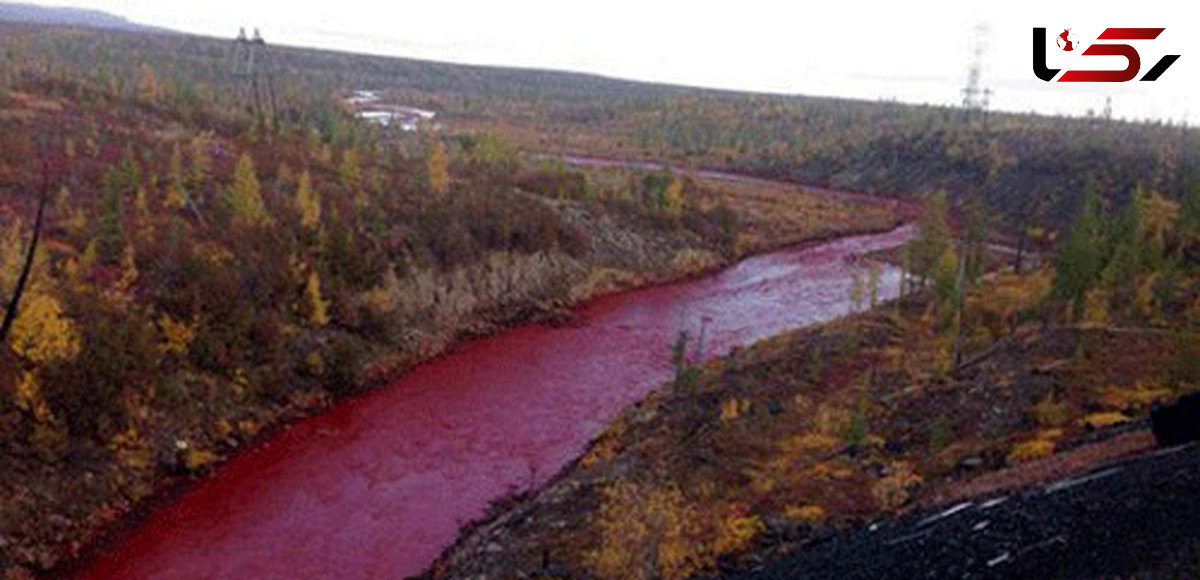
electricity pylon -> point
(976, 97)
(254, 83)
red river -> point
(379, 485)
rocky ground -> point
(1138, 517)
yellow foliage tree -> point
(325, 154)
(148, 88)
(42, 332)
(176, 190)
(318, 307)
(29, 398)
(673, 198)
(1095, 308)
(245, 197)
(177, 336)
(141, 202)
(350, 171)
(492, 150)
(656, 531)
(201, 158)
(73, 217)
(309, 203)
(129, 269)
(438, 167)
(1158, 212)
(48, 437)
(646, 532)
(12, 253)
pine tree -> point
(975, 240)
(928, 250)
(945, 276)
(1189, 216)
(1124, 248)
(1079, 260)
(245, 197)
(110, 226)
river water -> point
(379, 485)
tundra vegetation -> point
(819, 429)
(203, 274)
(178, 276)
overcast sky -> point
(907, 51)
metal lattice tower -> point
(976, 97)
(254, 83)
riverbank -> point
(396, 470)
(816, 431)
(190, 304)
(119, 523)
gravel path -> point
(1137, 517)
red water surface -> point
(377, 486)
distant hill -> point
(66, 16)
(1023, 166)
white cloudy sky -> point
(909, 51)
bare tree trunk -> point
(10, 315)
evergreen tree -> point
(1079, 260)
(928, 250)
(1125, 248)
(110, 225)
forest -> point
(192, 273)
(1026, 167)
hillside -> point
(1027, 168)
(201, 280)
(792, 455)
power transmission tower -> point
(254, 83)
(976, 97)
